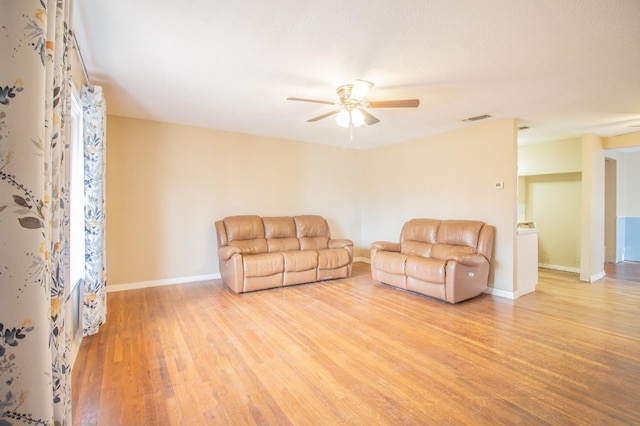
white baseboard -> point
(596, 277)
(500, 293)
(158, 283)
(559, 268)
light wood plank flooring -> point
(356, 352)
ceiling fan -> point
(350, 108)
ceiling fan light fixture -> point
(343, 119)
(357, 117)
(346, 118)
(350, 110)
(360, 89)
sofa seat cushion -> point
(447, 251)
(390, 262)
(426, 269)
(333, 258)
(298, 261)
(263, 265)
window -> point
(76, 214)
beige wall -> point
(166, 184)
(553, 201)
(631, 185)
(622, 141)
(448, 176)
(550, 189)
(562, 156)
(592, 218)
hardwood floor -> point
(356, 352)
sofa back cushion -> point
(422, 230)
(418, 236)
(459, 232)
(243, 227)
(456, 237)
(312, 232)
(246, 233)
(280, 233)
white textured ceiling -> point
(563, 68)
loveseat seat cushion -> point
(390, 262)
(416, 248)
(426, 269)
(389, 266)
(450, 251)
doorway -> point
(610, 211)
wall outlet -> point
(498, 185)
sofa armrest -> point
(386, 246)
(469, 259)
(338, 243)
(225, 253)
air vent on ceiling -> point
(477, 117)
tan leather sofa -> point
(447, 259)
(257, 253)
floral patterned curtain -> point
(94, 310)
(34, 176)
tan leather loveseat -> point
(447, 259)
(257, 253)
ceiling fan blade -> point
(368, 118)
(325, 115)
(316, 101)
(360, 89)
(405, 103)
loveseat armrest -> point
(225, 253)
(340, 243)
(386, 246)
(469, 259)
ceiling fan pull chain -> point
(350, 131)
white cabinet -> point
(527, 261)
